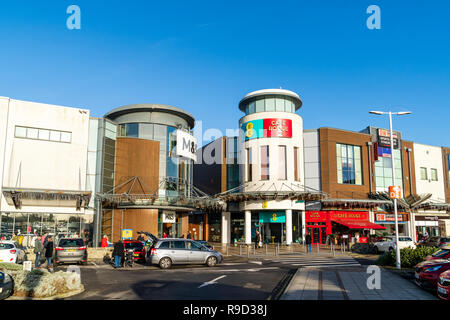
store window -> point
(282, 163)
(349, 164)
(265, 163)
(383, 170)
(434, 176)
(423, 173)
(237, 227)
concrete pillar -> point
(412, 226)
(248, 227)
(289, 226)
(303, 226)
(226, 227)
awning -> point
(356, 224)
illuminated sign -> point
(272, 217)
(267, 128)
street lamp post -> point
(391, 133)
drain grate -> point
(282, 285)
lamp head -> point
(403, 113)
(376, 112)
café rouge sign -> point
(267, 128)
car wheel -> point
(165, 263)
(211, 262)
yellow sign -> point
(274, 217)
(127, 234)
(264, 204)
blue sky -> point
(204, 56)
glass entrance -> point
(318, 234)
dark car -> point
(428, 271)
(443, 253)
(71, 250)
(6, 285)
(443, 289)
(139, 251)
(438, 242)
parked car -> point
(206, 244)
(436, 242)
(428, 272)
(443, 288)
(6, 285)
(388, 244)
(168, 251)
(12, 252)
(443, 253)
(138, 248)
(70, 250)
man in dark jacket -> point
(308, 242)
(38, 247)
(118, 253)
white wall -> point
(44, 164)
(429, 157)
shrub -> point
(10, 266)
(408, 257)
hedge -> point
(408, 257)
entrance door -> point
(318, 234)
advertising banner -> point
(168, 216)
(186, 145)
(267, 128)
(272, 217)
(384, 139)
(127, 234)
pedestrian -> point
(258, 239)
(189, 235)
(118, 253)
(140, 237)
(104, 241)
(37, 251)
(14, 237)
(308, 242)
(182, 236)
(49, 251)
(164, 235)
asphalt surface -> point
(236, 280)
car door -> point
(178, 252)
(195, 252)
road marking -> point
(95, 264)
(333, 265)
(256, 262)
(211, 282)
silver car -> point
(166, 252)
(70, 250)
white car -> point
(388, 243)
(11, 252)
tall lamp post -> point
(390, 113)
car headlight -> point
(2, 276)
(432, 269)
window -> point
(270, 104)
(164, 245)
(32, 133)
(251, 107)
(423, 174)
(265, 163)
(282, 163)
(434, 176)
(65, 136)
(296, 175)
(249, 164)
(194, 246)
(280, 105)
(178, 244)
(55, 136)
(259, 105)
(348, 164)
(383, 169)
(43, 134)
(21, 132)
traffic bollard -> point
(226, 248)
(278, 249)
(248, 251)
(317, 247)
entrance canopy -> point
(358, 224)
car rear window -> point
(405, 239)
(134, 245)
(440, 253)
(71, 243)
(4, 246)
(445, 239)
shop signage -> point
(395, 192)
(127, 234)
(272, 217)
(169, 216)
(267, 128)
(389, 217)
(335, 215)
(426, 218)
(186, 145)
(384, 139)
(264, 204)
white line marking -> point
(95, 264)
(334, 265)
(211, 282)
(256, 262)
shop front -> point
(343, 224)
(387, 220)
(426, 226)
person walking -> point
(308, 242)
(164, 235)
(104, 241)
(118, 253)
(37, 251)
(49, 251)
(189, 235)
(257, 239)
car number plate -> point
(72, 250)
(1, 260)
(417, 276)
(136, 254)
(442, 290)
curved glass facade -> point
(170, 166)
(270, 104)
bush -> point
(408, 257)
(10, 266)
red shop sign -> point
(349, 215)
(277, 128)
(316, 216)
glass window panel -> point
(66, 136)
(387, 182)
(55, 135)
(146, 131)
(357, 151)
(344, 151)
(21, 132)
(251, 107)
(246, 109)
(265, 163)
(423, 174)
(44, 134)
(132, 130)
(379, 181)
(32, 133)
(110, 126)
(340, 175)
(434, 175)
(338, 150)
(259, 105)
(280, 105)
(289, 106)
(350, 152)
(282, 163)
(270, 104)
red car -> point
(427, 272)
(138, 248)
(443, 290)
(440, 254)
